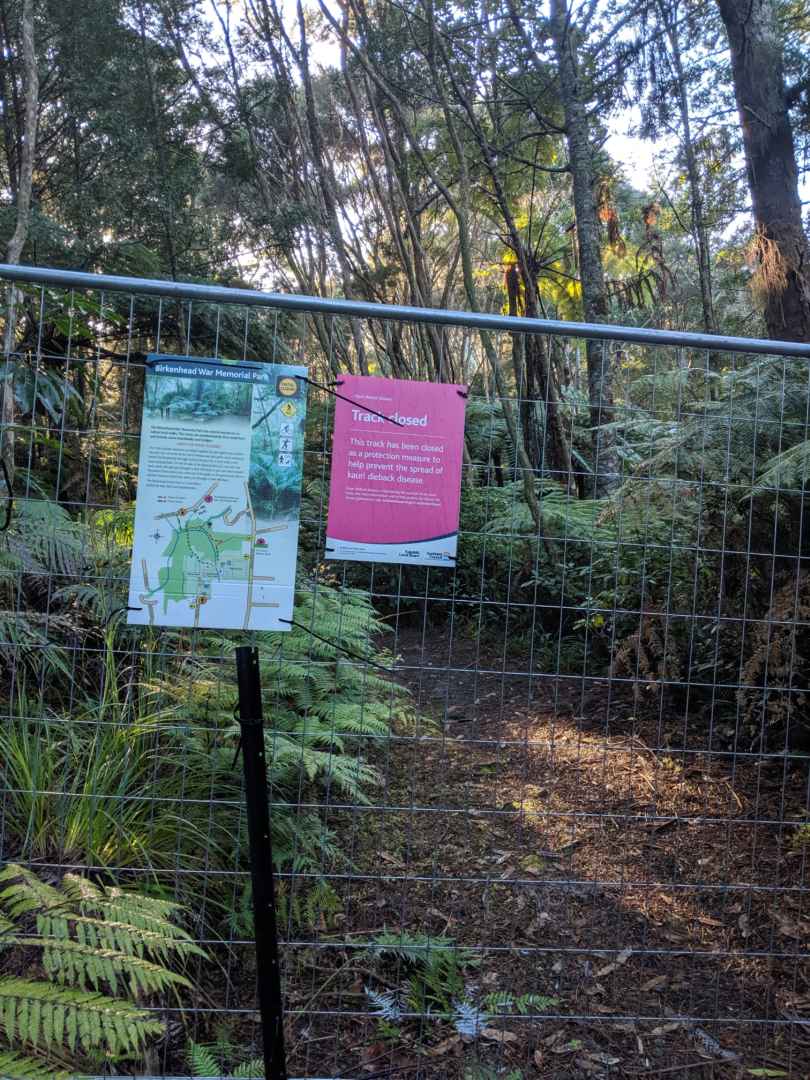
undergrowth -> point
(93, 958)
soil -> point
(582, 846)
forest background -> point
(473, 156)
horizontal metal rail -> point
(476, 320)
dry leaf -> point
(444, 1046)
(372, 1052)
(596, 1062)
(569, 1047)
(622, 958)
(538, 1058)
(392, 859)
(706, 920)
(664, 1028)
(789, 928)
(439, 915)
(656, 983)
(496, 1035)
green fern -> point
(209, 1061)
(503, 1002)
(435, 969)
(786, 473)
(201, 1061)
(15, 1067)
(95, 944)
(249, 1069)
(414, 948)
(43, 1016)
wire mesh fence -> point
(541, 814)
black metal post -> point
(251, 721)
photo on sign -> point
(197, 399)
(275, 487)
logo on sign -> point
(286, 386)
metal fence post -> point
(251, 721)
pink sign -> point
(396, 471)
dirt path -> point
(656, 897)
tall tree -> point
(23, 187)
(781, 244)
(670, 14)
(566, 33)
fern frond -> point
(86, 958)
(40, 1014)
(250, 1069)
(534, 1003)
(75, 963)
(202, 1061)
(787, 473)
(468, 1018)
(108, 919)
(14, 1066)
(415, 948)
(388, 1005)
(26, 892)
(499, 1001)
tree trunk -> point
(770, 156)
(700, 231)
(20, 235)
(594, 292)
(166, 196)
(533, 377)
(327, 185)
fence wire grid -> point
(541, 814)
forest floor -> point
(585, 856)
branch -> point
(793, 93)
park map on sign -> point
(216, 521)
(204, 547)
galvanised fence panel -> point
(542, 814)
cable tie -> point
(357, 405)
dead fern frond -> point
(776, 670)
(768, 264)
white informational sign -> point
(219, 487)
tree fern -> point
(102, 952)
(787, 472)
